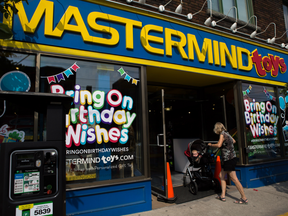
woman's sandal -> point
(241, 201)
(221, 198)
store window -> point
(261, 118)
(17, 74)
(103, 127)
(283, 104)
(244, 8)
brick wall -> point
(270, 11)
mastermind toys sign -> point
(101, 30)
(88, 120)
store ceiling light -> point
(162, 7)
(179, 8)
(253, 34)
(247, 23)
(233, 26)
(208, 20)
(272, 40)
(281, 36)
(129, 1)
(190, 16)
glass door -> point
(213, 110)
(157, 142)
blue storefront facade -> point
(100, 53)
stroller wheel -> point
(193, 187)
(216, 185)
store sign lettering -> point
(84, 118)
(213, 52)
(268, 63)
(261, 117)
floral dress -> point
(227, 147)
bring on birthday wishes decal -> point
(87, 120)
(91, 112)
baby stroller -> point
(199, 171)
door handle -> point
(158, 144)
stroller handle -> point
(215, 151)
(206, 142)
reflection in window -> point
(244, 8)
(227, 4)
(283, 100)
(103, 128)
(23, 68)
(17, 73)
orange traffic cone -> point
(170, 192)
(171, 197)
(217, 169)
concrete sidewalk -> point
(265, 201)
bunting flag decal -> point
(51, 79)
(121, 71)
(268, 95)
(68, 72)
(247, 91)
(75, 67)
(60, 76)
(134, 81)
(127, 76)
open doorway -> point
(190, 112)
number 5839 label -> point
(35, 209)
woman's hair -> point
(219, 127)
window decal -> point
(15, 81)
(60, 76)
(11, 136)
(127, 77)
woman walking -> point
(225, 143)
